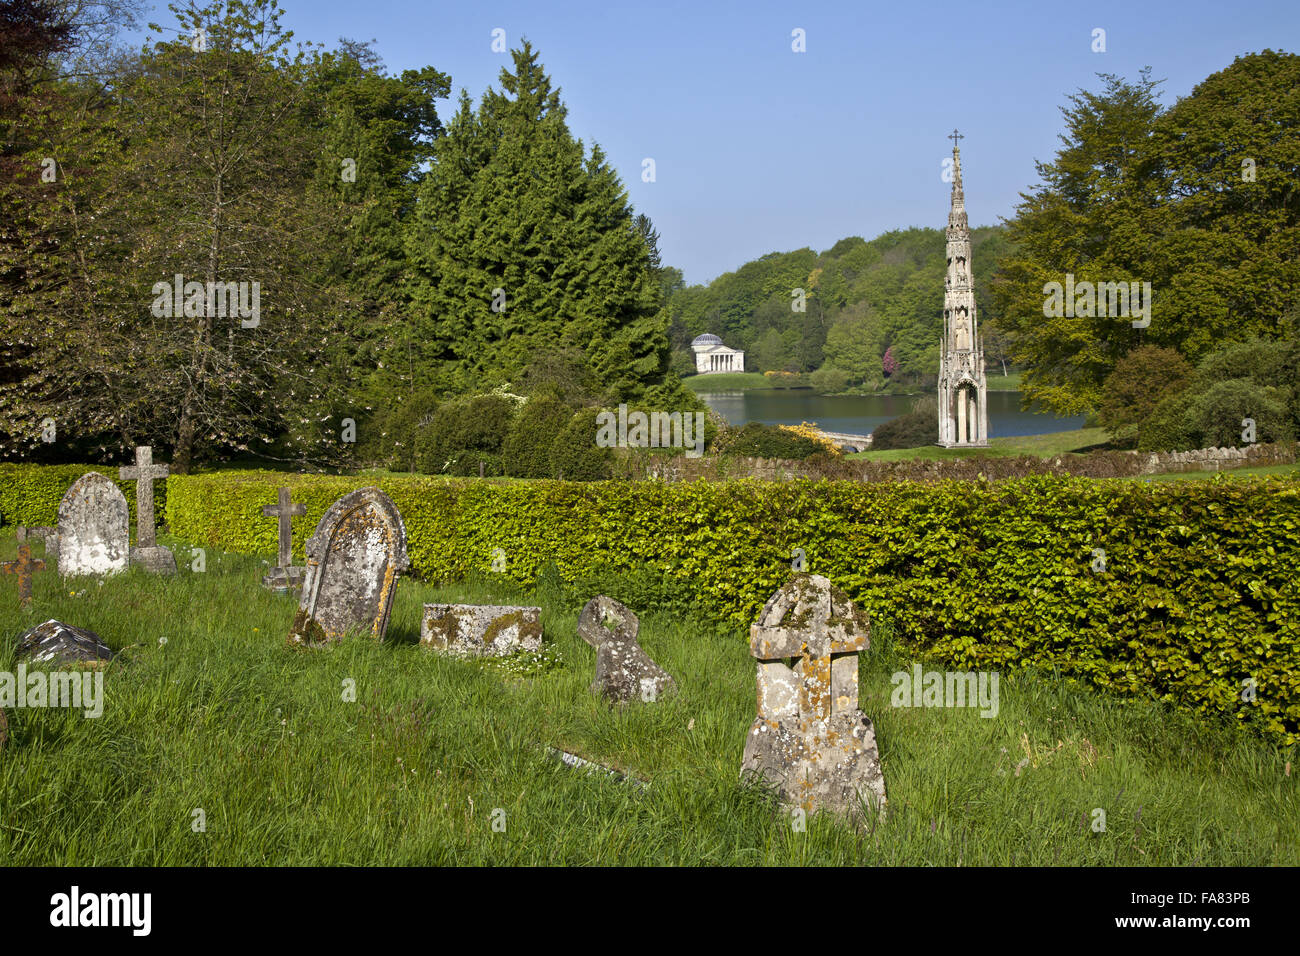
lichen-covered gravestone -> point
(24, 567)
(94, 535)
(147, 553)
(481, 630)
(624, 672)
(810, 739)
(353, 560)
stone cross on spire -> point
(146, 552)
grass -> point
(730, 382)
(224, 717)
(1004, 383)
(1228, 473)
(1042, 446)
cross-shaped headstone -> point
(144, 471)
(285, 511)
(827, 648)
(954, 136)
(24, 567)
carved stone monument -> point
(94, 535)
(284, 576)
(810, 739)
(353, 561)
(481, 630)
(624, 672)
(147, 553)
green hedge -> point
(1201, 588)
(30, 494)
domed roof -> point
(708, 338)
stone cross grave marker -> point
(284, 576)
(146, 553)
(353, 560)
(809, 738)
(24, 566)
(94, 527)
(624, 672)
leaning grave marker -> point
(353, 561)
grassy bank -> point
(730, 382)
(223, 717)
(1042, 446)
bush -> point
(389, 438)
(1139, 382)
(574, 452)
(756, 440)
(1202, 589)
(828, 380)
(1165, 429)
(463, 433)
(1214, 417)
(30, 494)
(527, 449)
(917, 428)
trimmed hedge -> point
(1200, 592)
(30, 494)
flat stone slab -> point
(624, 672)
(284, 579)
(61, 644)
(481, 630)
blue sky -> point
(760, 149)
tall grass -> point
(225, 718)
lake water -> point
(859, 414)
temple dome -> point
(708, 338)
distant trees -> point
(1198, 199)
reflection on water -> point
(859, 414)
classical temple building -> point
(963, 389)
(712, 356)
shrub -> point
(30, 494)
(389, 438)
(756, 440)
(1165, 429)
(574, 452)
(1139, 382)
(917, 428)
(526, 451)
(829, 380)
(464, 432)
(1214, 417)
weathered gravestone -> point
(284, 576)
(24, 566)
(61, 644)
(47, 534)
(146, 553)
(810, 739)
(353, 560)
(481, 630)
(624, 671)
(94, 537)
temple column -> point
(961, 417)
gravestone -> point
(353, 560)
(481, 630)
(47, 534)
(24, 567)
(810, 739)
(146, 553)
(284, 576)
(94, 535)
(60, 644)
(624, 672)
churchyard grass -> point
(225, 718)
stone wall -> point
(1104, 464)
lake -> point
(859, 414)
